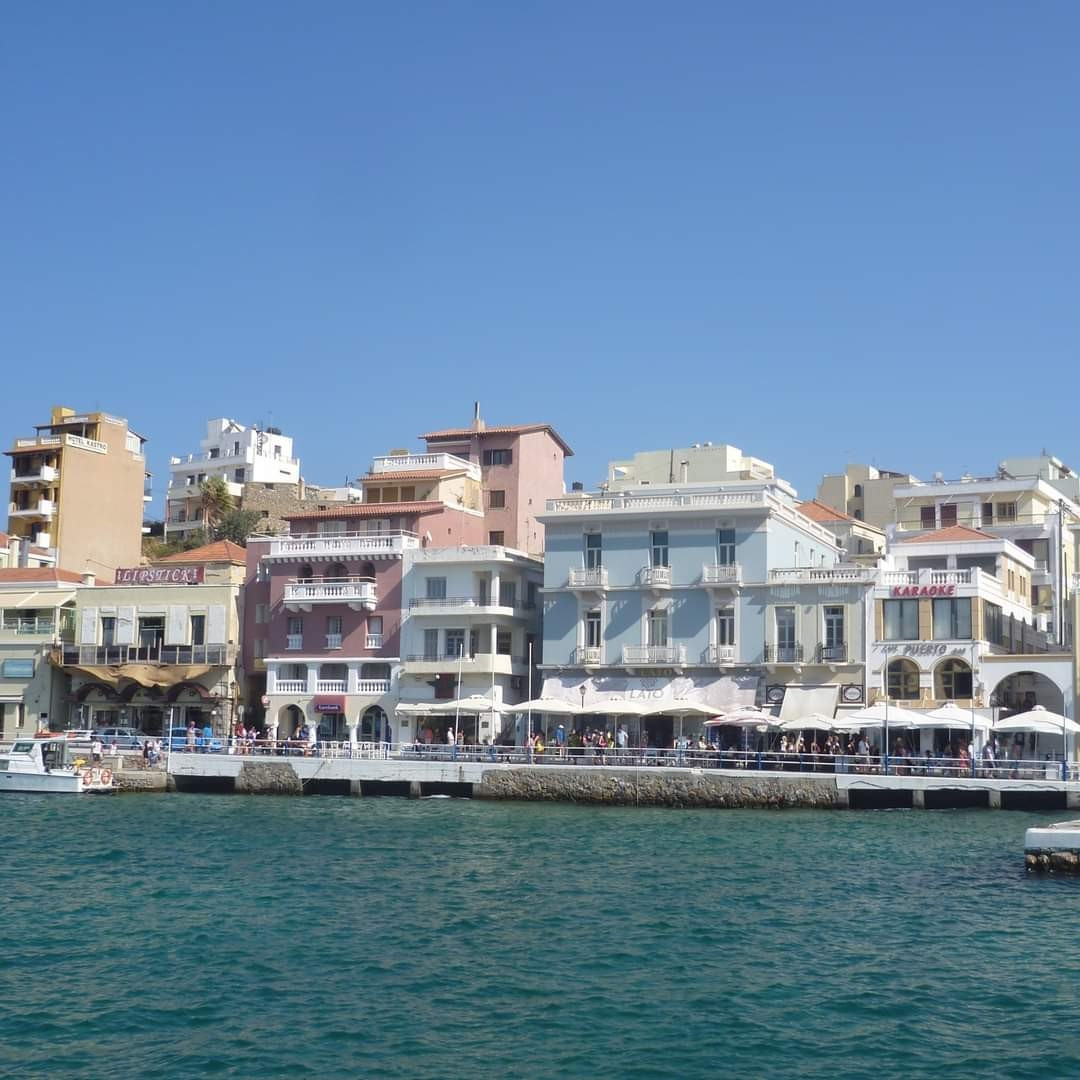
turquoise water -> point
(185, 935)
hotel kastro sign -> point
(159, 575)
(923, 590)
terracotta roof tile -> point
(499, 429)
(366, 510)
(416, 474)
(951, 534)
(819, 511)
(219, 551)
(42, 574)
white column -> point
(312, 677)
(494, 589)
(271, 678)
(353, 684)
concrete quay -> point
(608, 784)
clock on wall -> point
(774, 695)
(851, 694)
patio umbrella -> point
(475, 703)
(552, 706)
(415, 708)
(950, 715)
(615, 707)
(811, 721)
(1043, 722)
(749, 716)
(688, 708)
(878, 716)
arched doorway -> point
(374, 726)
(336, 572)
(290, 720)
(1023, 690)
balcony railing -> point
(373, 641)
(587, 655)
(721, 574)
(294, 641)
(443, 602)
(439, 658)
(290, 686)
(929, 577)
(825, 575)
(654, 654)
(352, 591)
(341, 545)
(44, 474)
(392, 463)
(655, 576)
(719, 654)
(78, 655)
(333, 641)
(588, 577)
(832, 654)
(29, 627)
(373, 686)
(43, 508)
(783, 654)
(331, 686)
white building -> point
(239, 455)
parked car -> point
(123, 738)
(178, 740)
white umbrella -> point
(877, 716)
(615, 707)
(415, 708)
(689, 708)
(1041, 721)
(475, 703)
(810, 722)
(950, 715)
(552, 706)
(750, 716)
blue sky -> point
(822, 232)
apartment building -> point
(78, 488)
(864, 492)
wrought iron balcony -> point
(783, 654)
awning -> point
(674, 694)
(329, 703)
(805, 700)
(143, 674)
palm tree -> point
(216, 501)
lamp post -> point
(973, 649)
(885, 729)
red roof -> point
(220, 551)
(38, 574)
(819, 511)
(457, 434)
(366, 510)
(951, 534)
(415, 474)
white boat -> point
(51, 763)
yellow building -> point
(77, 491)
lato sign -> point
(159, 575)
(923, 590)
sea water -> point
(182, 936)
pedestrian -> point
(95, 751)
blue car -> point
(178, 740)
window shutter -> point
(125, 625)
(176, 625)
(215, 625)
(88, 626)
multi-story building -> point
(77, 489)
(16, 552)
(699, 596)
(158, 647)
(521, 467)
(240, 456)
(861, 542)
(953, 621)
(471, 628)
(37, 612)
(864, 492)
(700, 463)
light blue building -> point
(699, 596)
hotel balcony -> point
(472, 605)
(587, 656)
(655, 577)
(588, 577)
(340, 545)
(661, 655)
(823, 575)
(721, 574)
(111, 655)
(289, 686)
(783, 654)
(43, 474)
(719, 654)
(329, 686)
(357, 593)
(43, 508)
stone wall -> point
(677, 788)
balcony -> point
(294, 641)
(333, 641)
(721, 574)
(373, 641)
(43, 474)
(331, 686)
(373, 686)
(115, 655)
(832, 654)
(719, 654)
(446, 603)
(290, 686)
(783, 654)
(397, 463)
(28, 626)
(665, 655)
(928, 578)
(341, 545)
(356, 592)
(43, 508)
(823, 575)
(655, 577)
(587, 656)
(588, 577)
(441, 659)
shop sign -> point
(159, 575)
(18, 669)
(923, 590)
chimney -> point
(89, 578)
(685, 467)
(477, 423)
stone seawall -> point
(677, 789)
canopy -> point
(811, 721)
(554, 706)
(415, 708)
(878, 715)
(688, 708)
(475, 704)
(809, 700)
(750, 716)
(1041, 721)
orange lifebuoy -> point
(106, 776)
(86, 778)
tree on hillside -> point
(237, 525)
(216, 501)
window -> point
(198, 629)
(277, 450)
(952, 680)
(474, 641)
(333, 631)
(785, 629)
(725, 626)
(725, 547)
(901, 620)
(108, 630)
(952, 618)
(658, 544)
(236, 449)
(993, 624)
(151, 632)
(658, 627)
(259, 648)
(496, 499)
(431, 644)
(903, 680)
(507, 594)
(496, 537)
(408, 494)
(594, 551)
(294, 629)
(238, 476)
(927, 517)
(503, 642)
(435, 588)
(834, 628)
(948, 514)
(214, 452)
(373, 638)
(1006, 511)
(497, 457)
(455, 642)
(987, 513)
(264, 513)
(593, 631)
(858, 491)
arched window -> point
(903, 680)
(336, 572)
(367, 571)
(304, 572)
(373, 725)
(858, 491)
(952, 680)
